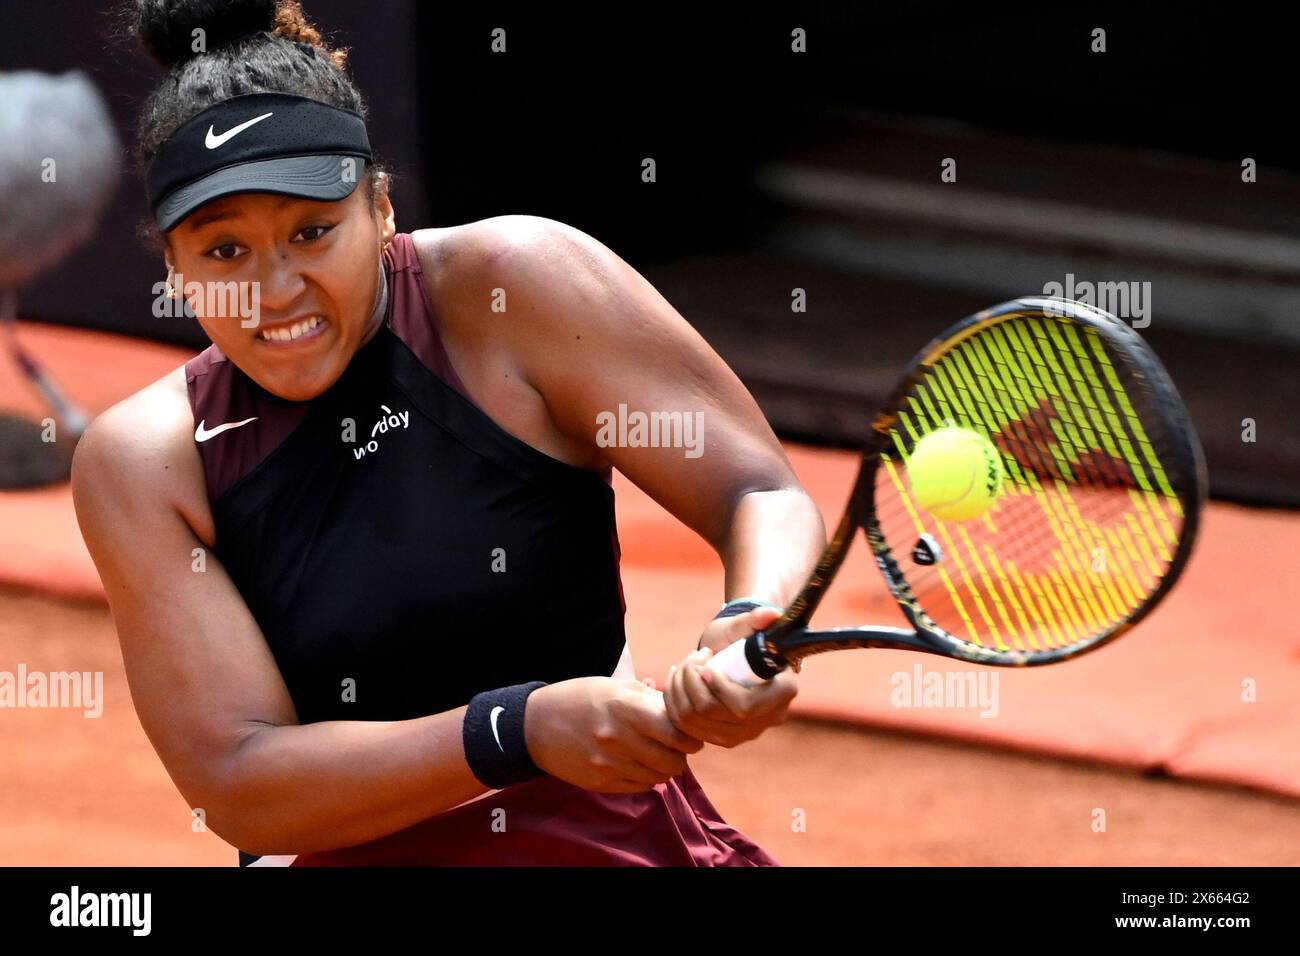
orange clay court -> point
(1182, 736)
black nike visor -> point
(261, 143)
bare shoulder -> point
(500, 289)
(486, 240)
(490, 272)
(502, 248)
(140, 452)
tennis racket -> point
(1102, 484)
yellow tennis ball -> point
(955, 473)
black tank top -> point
(432, 557)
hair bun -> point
(167, 27)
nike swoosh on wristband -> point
(496, 712)
(212, 140)
(203, 434)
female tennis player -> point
(361, 551)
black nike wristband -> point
(493, 736)
(738, 606)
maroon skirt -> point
(547, 822)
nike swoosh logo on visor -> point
(203, 434)
(212, 140)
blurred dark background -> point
(821, 171)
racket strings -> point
(1089, 514)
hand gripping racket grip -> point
(743, 662)
(733, 662)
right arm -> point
(214, 705)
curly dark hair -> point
(216, 49)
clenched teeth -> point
(297, 330)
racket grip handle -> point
(731, 662)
